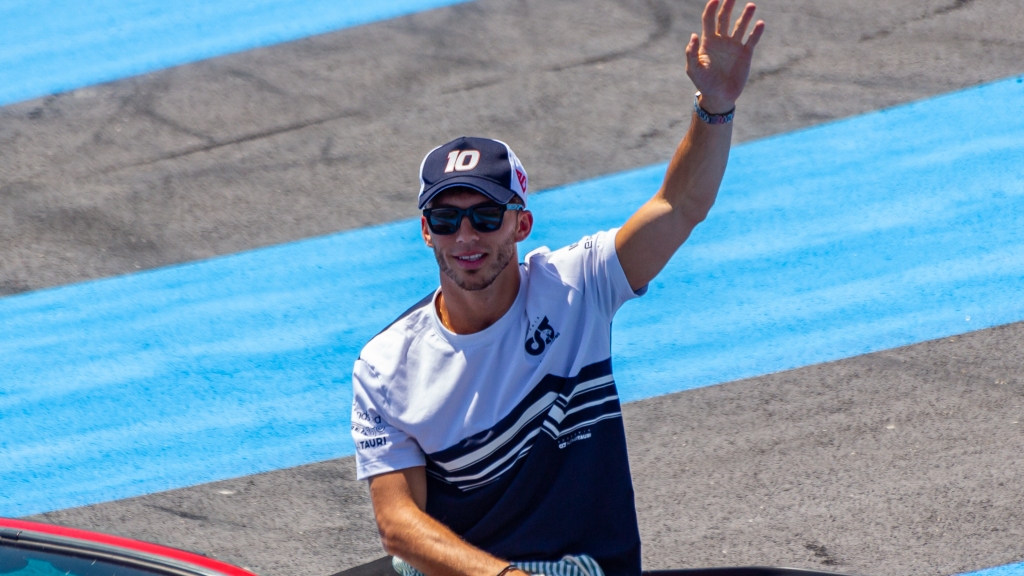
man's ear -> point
(524, 225)
(426, 231)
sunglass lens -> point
(487, 218)
(443, 221)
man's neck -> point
(467, 312)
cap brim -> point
(485, 186)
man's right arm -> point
(399, 500)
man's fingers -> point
(755, 35)
(743, 22)
(724, 16)
(692, 46)
(708, 19)
(692, 53)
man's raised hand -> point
(718, 62)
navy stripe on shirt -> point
(557, 406)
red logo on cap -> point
(522, 180)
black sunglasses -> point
(446, 220)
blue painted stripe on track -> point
(50, 46)
(861, 235)
(1008, 570)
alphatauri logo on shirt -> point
(541, 337)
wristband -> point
(709, 118)
(506, 569)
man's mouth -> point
(470, 261)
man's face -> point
(471, 259)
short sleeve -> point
(380, 446)
(594, 262)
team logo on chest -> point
(538, 338)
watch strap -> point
(709, 118)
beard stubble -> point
(484, 277)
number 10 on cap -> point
(462, 160)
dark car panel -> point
(383, 567)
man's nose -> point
(466, 231)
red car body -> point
(47, 538)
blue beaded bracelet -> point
(709, 118)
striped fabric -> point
(581, 565)
(562, 408)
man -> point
(485, 417)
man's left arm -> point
(718, 63)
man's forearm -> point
(408, 532)
(432, 548)
(695, 173)
(653, 234)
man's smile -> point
(470, 260)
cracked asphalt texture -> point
(906, 461)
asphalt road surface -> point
(899, 462)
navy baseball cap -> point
(485, 165)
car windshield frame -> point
(110, 553)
